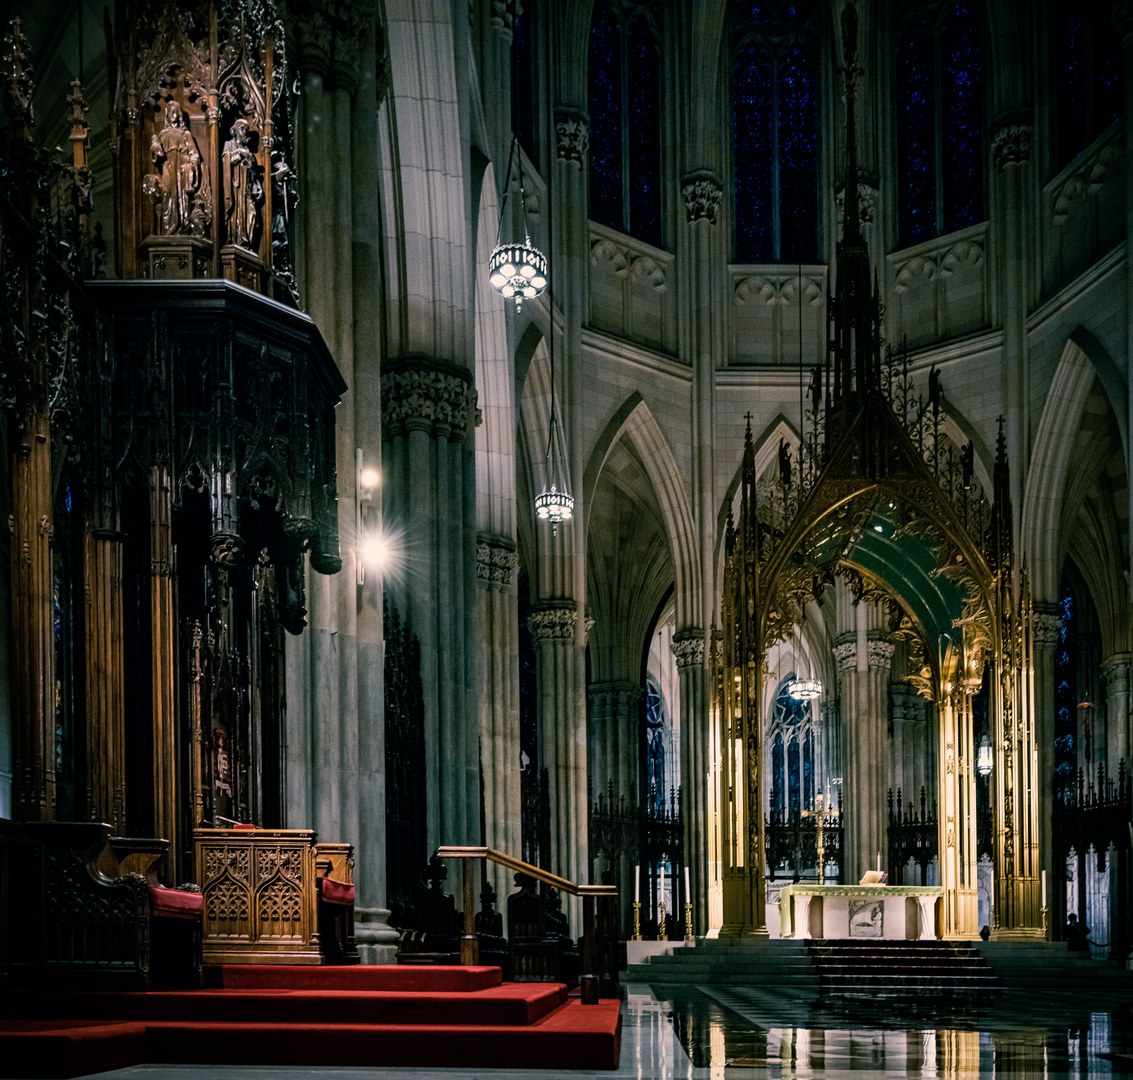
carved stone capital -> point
(329, 39)
(572, 137)
(1115, 671)
(702, 195)
(440, 402)
(553, 622)
(496, 560)
(1123, 19)
(867, 203)
(503, 17)
(688, 648)
(880, 654)
(846, 656)
(1046, 627)
(1011, 145)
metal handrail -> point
(520, 867)
(470, 945)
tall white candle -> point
(1044, 888)
(637, 884)
(661, 887)
(688, 888)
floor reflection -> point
(730, 1031)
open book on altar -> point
(874, 877)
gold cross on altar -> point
(820, 813)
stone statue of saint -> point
(175, 153)
(242, 189)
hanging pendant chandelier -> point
(517, 271)
(804, 689)
(554, 506)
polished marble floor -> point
(736, 1033)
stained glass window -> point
(808, 770)
(625, 119)
(793, 777)
(523, 76)
(774, 131)
(791, 738)
(939, 97)
(777, 779)
(1088, 67)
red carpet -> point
(277, 1015)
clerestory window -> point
(625, 118)
(774, 80)
(939, 96)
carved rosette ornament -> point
(553, 622)
(441, 402)
(846, 656)
(880, 655)
(573, 140)
(1011, 145)
(702, 196)
(496, 560)
(688, 649)
(1046, 626)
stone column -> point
(614, 738)
(554, 626)
(1046, 626)
(498, 631)
(1123, 23)
(1115, 671)
(1011, 150)
(696, 766)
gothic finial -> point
(21, 87)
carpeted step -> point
(402, 978)
(574, 1036)
(511, 1005)
(60, 1048)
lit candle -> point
(1044, 888)
(688, 888)
(637, 884)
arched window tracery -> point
(792, 738)
(939, 100)
(624, 71)
(774, 84)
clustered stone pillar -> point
(556, 632)
(496, 563)
(1046, 628)
(1115, 671)
(696, 767)
(614, 737)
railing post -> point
(589, 980)
(469, 946)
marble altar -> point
(905, 912)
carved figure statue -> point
(242, 189)
(175, 153)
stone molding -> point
(846, 655)
(553, 622)
(1011, 145)
(496, 560)
(702, 196)
(573, 137)
(1046, 627)
(427, 399)
(1123, 19)
(880, 654)
(688, 648)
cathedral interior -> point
(683, 447)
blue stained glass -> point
(523, 88)
(808, 770)
(1071, 63)
(916, 134)
(1066, 698)
(777, 779)
(748, 11)
(752, 154)
(793, 778)
(644, 84)
(605, 104)
(1109, 66)
(961, 84)
(798, 156)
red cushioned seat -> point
(336, 892)
(176, 903)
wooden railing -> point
(592, 949)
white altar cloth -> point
(901, 912)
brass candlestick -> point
(1044, 912)
(636, 921)
(688, 921)
(661, 932)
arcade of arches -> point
(837, 353)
